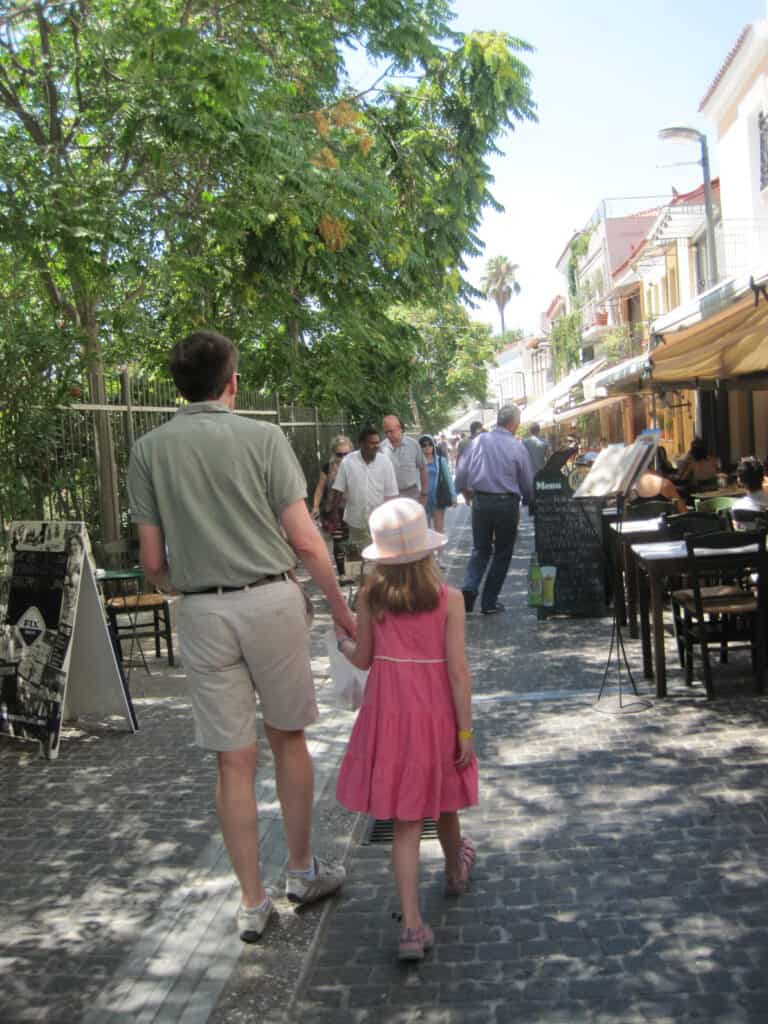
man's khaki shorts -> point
(241, 645)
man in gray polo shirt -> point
(407, 459)
(220, 505)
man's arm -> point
(152, 557)
(309, 546)
(424, 474)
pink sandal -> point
(415, 942)
(467, 856)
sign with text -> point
(56, 654)
(569, 549)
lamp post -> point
(683, 133)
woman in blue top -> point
(438, 499)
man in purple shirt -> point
(497, 470)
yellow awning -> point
(729, 343)
(586, 407)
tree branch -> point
(12, 102)
(51, 95)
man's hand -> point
(345, 624)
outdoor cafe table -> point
(627, 533)
(656, 562)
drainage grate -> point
(381, 830)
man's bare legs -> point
(238, 816)
(295, 779)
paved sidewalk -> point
(623, 859)
(622, 874)
(117, 896)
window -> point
(762, 131)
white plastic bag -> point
(348, 681)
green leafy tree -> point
(169, 163)
(500, 283)
(566, 342)
(450, 361)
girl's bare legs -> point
(449, 834)
(405, 864)
(438, 519)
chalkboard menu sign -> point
(56, 654)
(569, 548)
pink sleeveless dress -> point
(400, 758)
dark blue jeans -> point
(494, 531)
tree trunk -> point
(109, 500)
(414, 408)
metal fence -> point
(65, 483)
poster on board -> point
(57, 658)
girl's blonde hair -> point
(411, 587)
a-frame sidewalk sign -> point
(57, 656)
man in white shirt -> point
(407, 460)
(366, 479)
(749, 473)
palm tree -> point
(500, 283)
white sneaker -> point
(328, 879)
(251, 923)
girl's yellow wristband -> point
(465, 734)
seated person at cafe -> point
(698, 469)
(750, 475)
(654, 487)
(663, 465)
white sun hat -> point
(400, 533)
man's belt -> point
(497, 494)
(245, 586)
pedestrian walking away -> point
(496, 472)
(220, 504)
(407, 459)
(475, 428)
(411, 754)
(538, 452)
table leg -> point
(657, 615)
(645, 624)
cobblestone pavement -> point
(622, 873)
(622, 858)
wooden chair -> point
(719, 504)
(729, 618)
(748, 518)
(124, 609)
(678, 527)
(649, 509)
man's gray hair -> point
(508, 414)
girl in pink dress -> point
(410, 755)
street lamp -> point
(683, 133)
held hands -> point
(345, 624)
